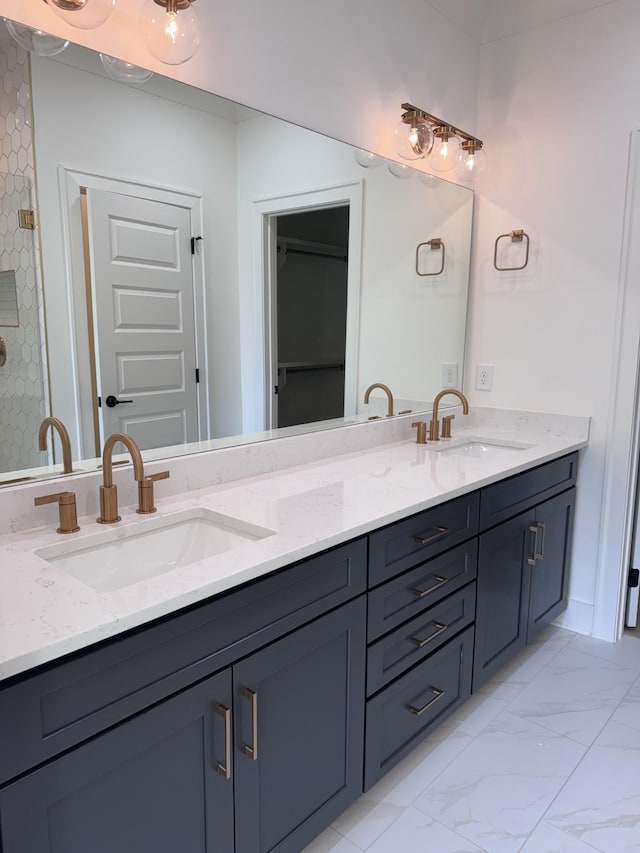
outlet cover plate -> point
(484, 377)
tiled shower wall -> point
(22, 387)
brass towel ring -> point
(516, 237)
(436, 245)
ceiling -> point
(487, 20)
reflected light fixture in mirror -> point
(124, 72)
(84, 14)
(35, 41)
(452, 147)
(171, 29)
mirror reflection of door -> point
(141, 297)
(310, 314)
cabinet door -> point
(502, 598)
(550, 574)
(299, 727)
(149, 785)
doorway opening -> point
(309, 315)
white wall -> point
(557, 104)
(129, 134)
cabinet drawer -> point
(522, 491)
(402, 545)
(413, 705)
(412, 642)
(413, 592)
(61, 704)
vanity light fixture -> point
(85, 14)
(171, 30)
(449, 146)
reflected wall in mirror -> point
(304, 285)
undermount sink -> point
(127, 555)
(478, 448)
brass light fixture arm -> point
(434, 121)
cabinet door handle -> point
(225, 769)
(437, 694)
(540, 526)
(252, 751)
(420, 642)
(532, 559)
(420, 593)
(428, 537)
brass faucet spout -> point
(56, 424)
(108, 492)
(386, 390)
(107, 454)
(434, 426)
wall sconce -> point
(171, 28)
(421, 135)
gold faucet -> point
(386, 390)
(54, 423)
(109, 492)
(434, 426)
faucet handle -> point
(67, 505)
(446, 425)
(421, 435)
(146, 501)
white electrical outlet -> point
(450, 374)
(484, 377)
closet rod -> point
(343, 258)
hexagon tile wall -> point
(22, 391)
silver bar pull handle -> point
(420, 593)
(429, 537)
(252, 751)
(421, 642)
(532, 559)
(540, 526)
(437, 694)
(225, 769)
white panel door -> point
(142, 284)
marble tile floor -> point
(545, 758)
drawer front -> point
(414, 592)
(414, 641)
(519, 493)
(64, 703)
(409, 708)
(403, 545)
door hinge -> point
(197, 374)
(275, 389)
(27, 219)
(634, 578)
(193, 244)
(99, 402)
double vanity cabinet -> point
(249, 722)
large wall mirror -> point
(202, 274)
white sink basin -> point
(478, 448)
(122, 556)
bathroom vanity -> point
(250, 720)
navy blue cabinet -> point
(523, 561)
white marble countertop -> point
(46, 612)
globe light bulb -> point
(472, 161)
(85, 14)
(399, 170)
(124, 72)
(446, 149)
(413, 137)
(367, 159)
(172, 30)
(35, 41)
